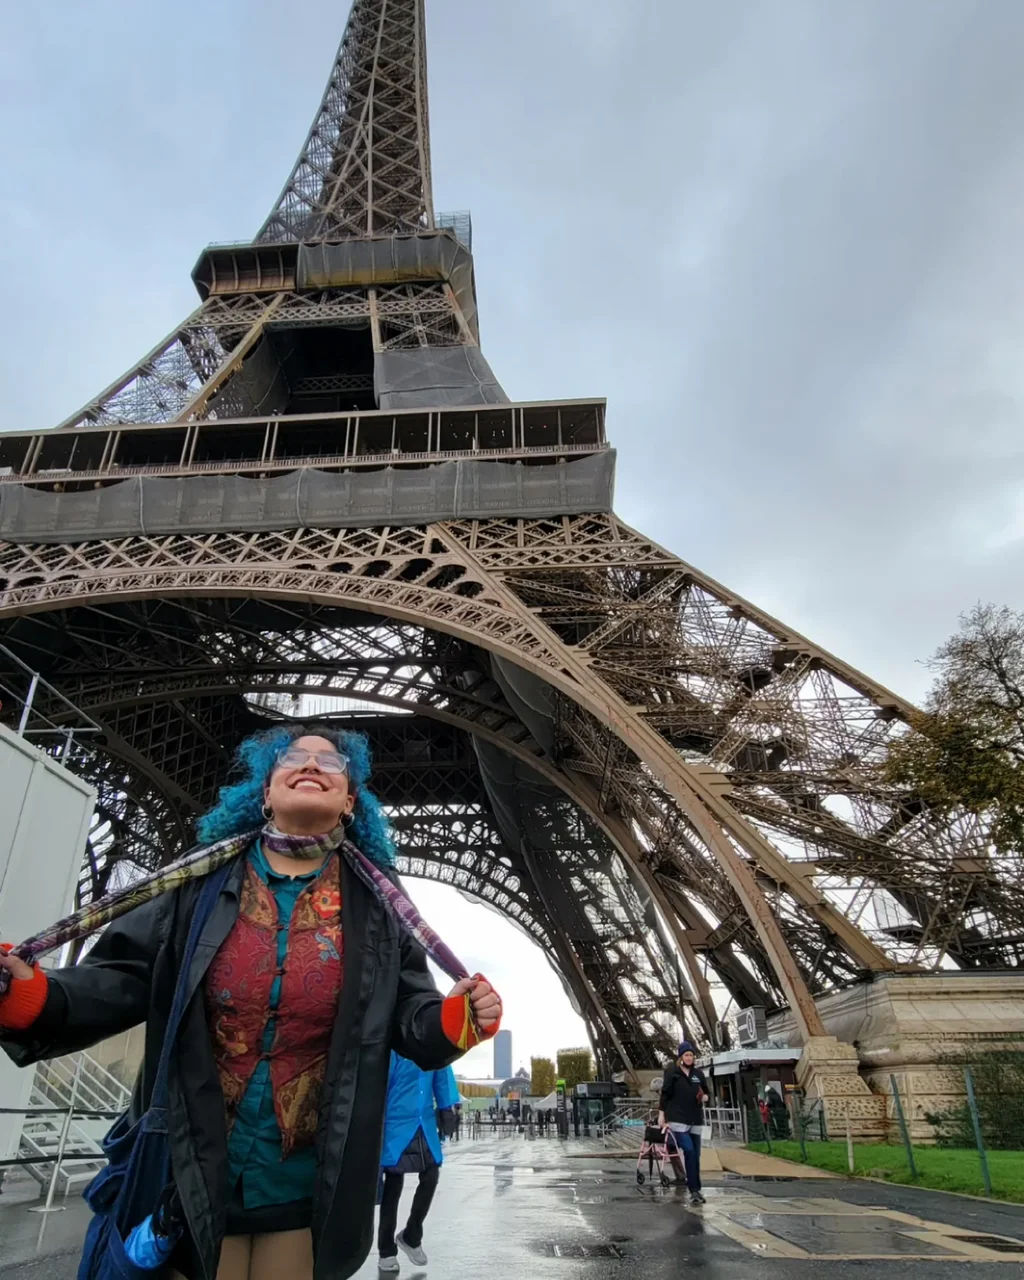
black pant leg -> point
(393, 1183)
(421, 1202)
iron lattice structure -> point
(656, 781)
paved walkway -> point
(545, 1210)
(748, 1164)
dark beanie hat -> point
(685, 1047)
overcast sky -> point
(783, 238)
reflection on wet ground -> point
(537, 1210)
(523, 1210)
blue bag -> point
(124, 1195)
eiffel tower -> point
(314, 494)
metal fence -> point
(794, 1121)
(974, 1146)
(491, 1127)
(727, 1124)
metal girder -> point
(575, 896)
(428, 580)
(176, 663)
(132, 655)
(365, 167)
(714, 792)
(158, 712)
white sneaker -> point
(388, 1264)
(416, 1256)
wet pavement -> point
(534, 1210)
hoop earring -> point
(268, 813)
(346, 820)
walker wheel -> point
(640, 1179)
(665, 1180)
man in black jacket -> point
(681, 1109)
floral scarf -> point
(201, 862)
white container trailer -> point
(45, 811)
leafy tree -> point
(575, 1066)
(474, 1090)
(542, 1077)
(968, 751)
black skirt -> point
(268, 1218)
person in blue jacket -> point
(411, 1145)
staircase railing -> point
(95, 1087)
(726, 1123)
(629, 1113)
(78, 1086)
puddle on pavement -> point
(842, 1235)
(692, 1225)
(568, 1180)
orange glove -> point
(25, 997)
(468, 1006)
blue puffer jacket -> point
(412, 1096)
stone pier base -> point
(908, 1027)
(828, 1070)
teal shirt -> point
(254, 1148)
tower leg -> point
(829, 1070)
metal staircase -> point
(81, 1082)
(624, 1127)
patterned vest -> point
(238, 990)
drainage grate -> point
(992, 1242)
(584, 1251)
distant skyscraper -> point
(503, 1055)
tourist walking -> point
(420, 1105)
(681, 1108)
(275, 1056)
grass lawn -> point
(943, 1168)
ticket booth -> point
(740, 1076)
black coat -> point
(679, 1095)
(388, 1001)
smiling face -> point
(307, 799)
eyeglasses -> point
(298, 757)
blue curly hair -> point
(239, 805)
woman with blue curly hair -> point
(299, 984)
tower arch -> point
(323, 435)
